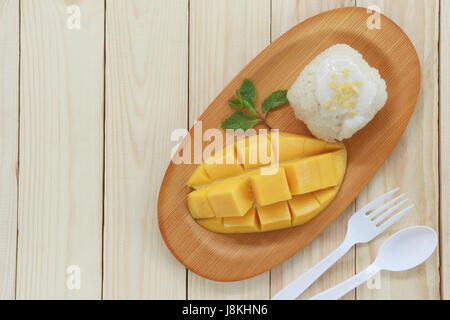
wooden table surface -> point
(86, 116)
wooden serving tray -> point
(234, 257)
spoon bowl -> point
(407, 249)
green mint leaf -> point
(250, 106)
(275, 99)
(238, 94)
(239, 120)
(235, 103)
(246, 103)
(248, 90)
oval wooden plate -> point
(236, 257)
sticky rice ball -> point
(337, 93)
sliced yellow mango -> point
(248, 223)
(326, 195)
(334, 146)
(274, 216)
(263, 187)
(328, 170)
(312, 173)
(219, 171)
(238, 197)
(302, 175)
(213, 224)
(303, 208)
(223, 164)
(254, 151)
(313, 146)
(290, 146)
(293, 146)
(230, 199)
(199, 205)
(199, 177)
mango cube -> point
(327, 170)
(254, 151)
(199, 205)
(213, 224)
(229, 199)
(326, 195)
(223, 164)
(311, 173)
(303, 208)
(247, 223)
(302, 176)
(199, 177)
(218, 171)
(274, 216)
(269, 189)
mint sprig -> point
(239, 120)
(246, 97)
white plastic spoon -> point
(404, 250)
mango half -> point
(266, 182)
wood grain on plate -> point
(236, 257)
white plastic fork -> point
(361, 228)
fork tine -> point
(385, 206)
(394, 219)
(376, 202)
(389, 211)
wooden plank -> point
(146, 99)
(9, 143)
(61, 151)
(224, 37)
(444, 150)
(413, 165)
(286, 14)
